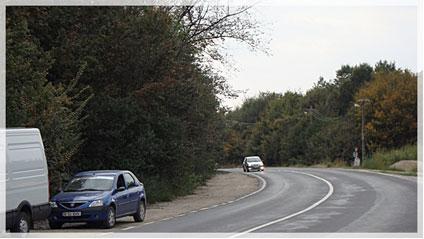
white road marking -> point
(257, 191)
(106, 233)
(329, 193)
(217, 205)
(127, 228)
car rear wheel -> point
(55, 225)
(22, 224)
(110, 220)
(141, 212)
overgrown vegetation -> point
(322, 126)
(124, 88)
(383, 159)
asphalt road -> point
(308, 200)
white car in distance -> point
(251, 163)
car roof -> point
(101, 172)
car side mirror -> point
(120, 189)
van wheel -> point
(110, 220)
(141, 212)
(55, 225)
(22, 224)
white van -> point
(27, 183)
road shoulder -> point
(222, 188)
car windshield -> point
(253, 160)
(93, 183)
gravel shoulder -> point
(222, 187)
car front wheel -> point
(110, 220)
(141, 212)
(23, 223)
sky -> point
(307, 42)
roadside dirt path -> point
(221, 188)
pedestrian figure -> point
(356, 159)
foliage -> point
(384, 158)
(392, 114)
(322, 126)
(154, 107)
(32, 101)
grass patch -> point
(381, 160)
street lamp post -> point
(361, 104)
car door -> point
(133, 193)
(121, 197)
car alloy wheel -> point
(22, 224)
(141, 212)
(111, 219)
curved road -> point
(309, 200)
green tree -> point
(32, 101)
(392, 115)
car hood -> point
(79, 196)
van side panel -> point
(27, 173)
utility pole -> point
(362, 103)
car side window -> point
(120, 182)
(129, 180)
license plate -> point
(71, 214)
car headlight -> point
(97, 203)
(53, 204)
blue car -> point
(99, 197)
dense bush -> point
(123, 88)
(322, 126)
(382, 159)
